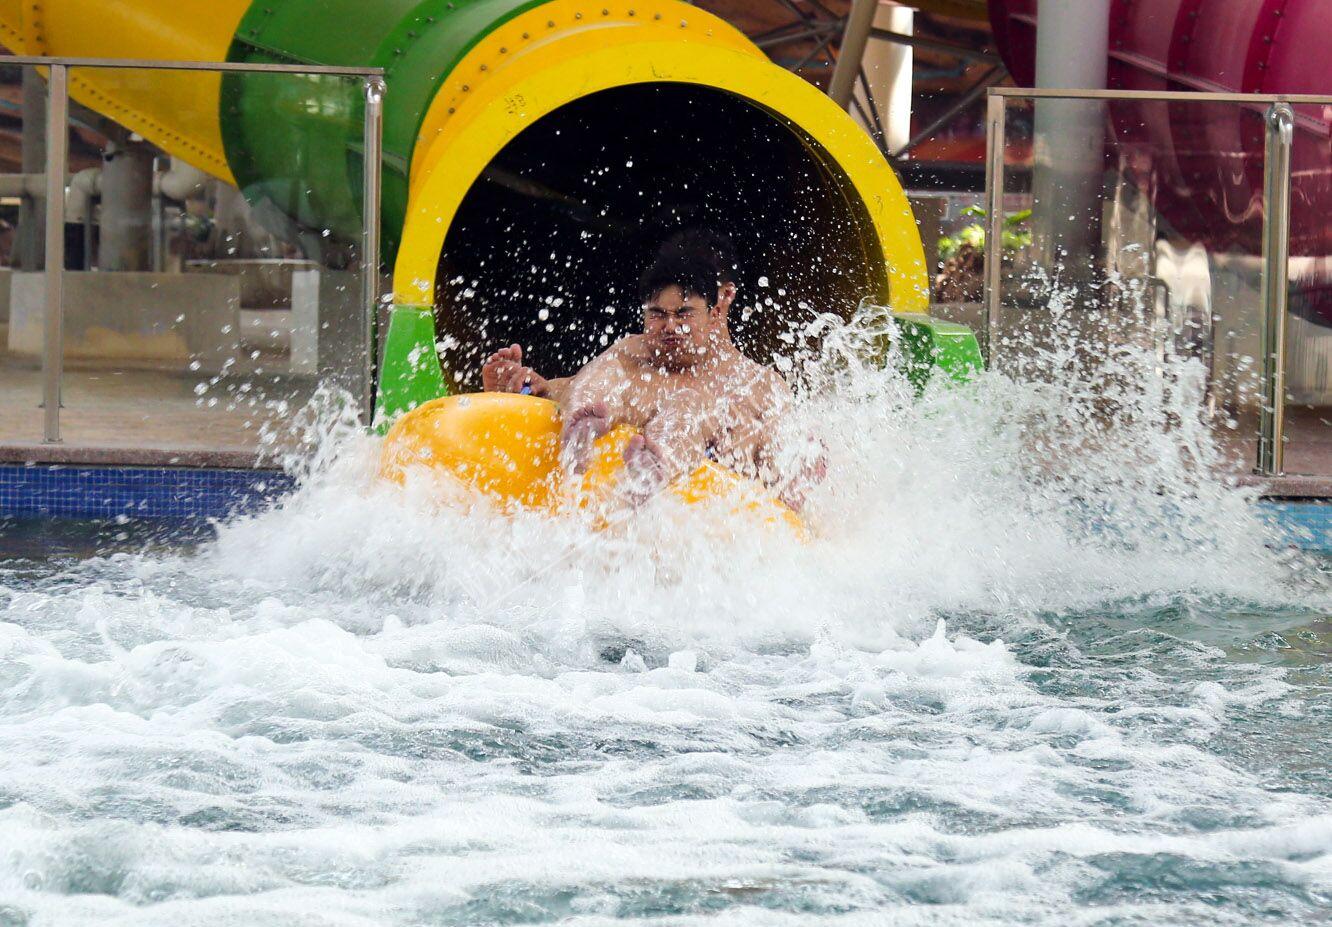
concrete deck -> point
(1308, 463)
(139, 417)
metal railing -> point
(1280, 124)
(57, 148)
(1280, 121)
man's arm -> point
(793, 472)
(504, 372)
(591, 402)
(599, 380)
(558, 389)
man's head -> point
(681, 316)
(707, 245)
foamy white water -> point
(1000, 686)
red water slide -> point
(1203, 163)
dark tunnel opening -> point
(547, 246)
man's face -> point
(679, 328)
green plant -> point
(1015, 237)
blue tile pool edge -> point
(77, 491)
(1306, 524)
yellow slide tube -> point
(551, 56)
(175, 110)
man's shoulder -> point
(631, 349)
(758, 385)
(763, 375)
(619, 351)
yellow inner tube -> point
(506, 447)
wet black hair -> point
(698, 261)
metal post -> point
(852, 50)
(158, 246)
(57, 158)
(31, 218)
(372, 181)
(127, 204)
(1276, 271)
(994, 216)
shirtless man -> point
(505, 372)
(682, 383)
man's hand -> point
(581, 429)
(644, 469)
(810, 475)
(503, 372)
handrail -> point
(372, 181)
(57, 167)
(53, 315)
(1280, 120)
(1189, 96)
(995, 129)
(135, 64)
(1276, 287)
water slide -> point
(1207, 176)
(533, 151)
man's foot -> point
(580, 432)
(644, 469)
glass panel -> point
(222, 283)
(951, 228)
(1309, 323)
(1145, 229)
(22, 257)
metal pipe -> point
(157, 249)
(126, 216)
(851, 51)
(370, 208)
(31, 221)
(994, 215)
(29, 185)
(820, 48)
(995, 73)
(89, 236)
(778, 31)
(151, 65)
(1069, 140)
(57, 161)
(1276, 270)
(83, 188)
(874, 123)
(179, 181)
(934, 45)
(80, 201)
(788, 37)
(1182, 96)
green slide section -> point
(410, 374)
(929, 344)
(298, 142)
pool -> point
(993, 690)
(185, 739)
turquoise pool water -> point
(185, 740)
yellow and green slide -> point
(557, 140)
